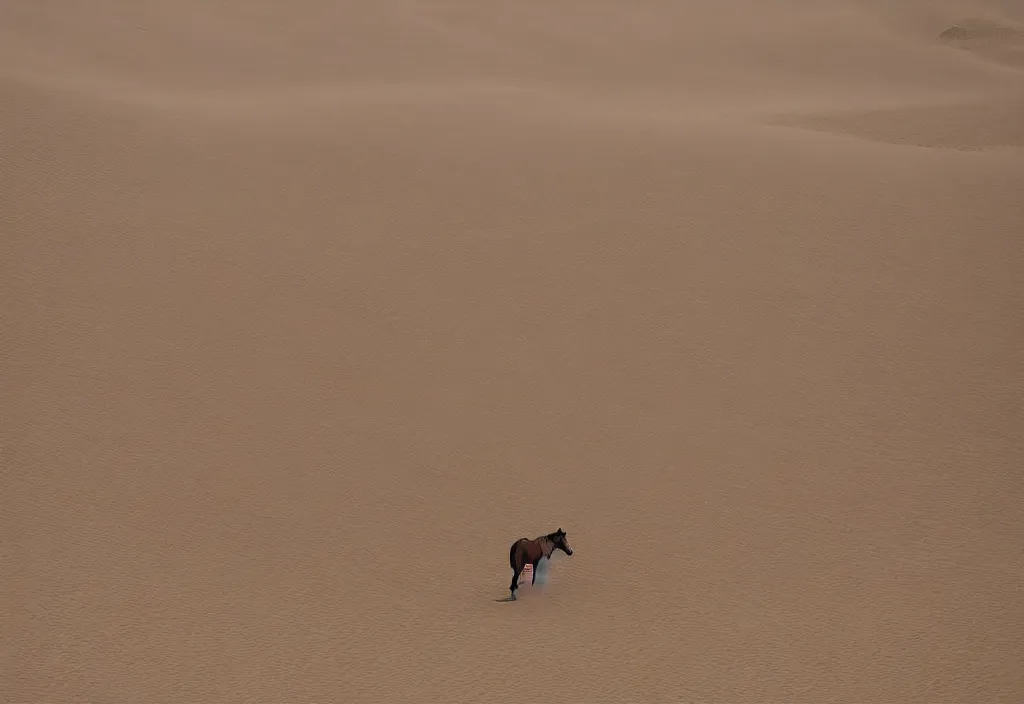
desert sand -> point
(310, 310)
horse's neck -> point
(547, 546)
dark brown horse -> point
(530, 552)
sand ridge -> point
(312, 311)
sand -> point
(311, 310)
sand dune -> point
(1003, 43)
(312, 311)
(967, 125)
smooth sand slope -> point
(311, 310)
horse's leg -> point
(533, 578)
(515, 582)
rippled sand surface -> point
(311, 309)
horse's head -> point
(561, 542)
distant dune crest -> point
(997, 41)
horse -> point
(525, 551)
